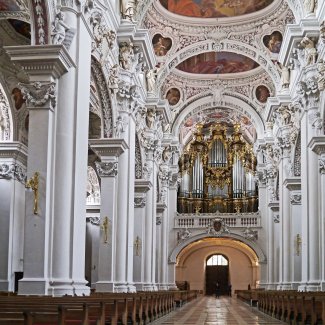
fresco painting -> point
(273, 42)
(214, 8)
(161, 45)
(8, 5)
(219, 115)
(21, 27)
(262, 93)
(173, 96)
(217, 63)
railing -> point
(231, 220)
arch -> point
(252, 245)
(219, 45)
(104, 98)
(6, 122)
(204, 101)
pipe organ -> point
(218, 172)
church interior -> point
(152, 151)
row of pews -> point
(96, 309)
(289, 306)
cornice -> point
(108, 147)
(317, 144)
(142, 185)
(292, 183)
(41, 59)
(14, 150)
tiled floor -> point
(211, 311)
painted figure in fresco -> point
(214, 8)
(161, 45)
(173, 96)
(274, 42)
(262, 93)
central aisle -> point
(211, 311)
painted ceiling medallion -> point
(217, 63)
(214, 8)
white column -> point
(108, 150)
(172, 235)
(149, 223)
(12, 210)
(273, 251)
(317, 144)
(310, 209)
(294, 186)
(39, 245)
(141, 188)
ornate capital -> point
(105, 169)
(38, 94)
(308, 92)
(94, 220)
(14, 171)
(276, 218)
(322, 165)
(250, 234)
(139, 202)
(295, 199)
(315, 121)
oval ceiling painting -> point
(214, 8)
(217, 63)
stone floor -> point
(211, 311)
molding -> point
(42, 59)
(292, 184)
(274, 206)
(142, 186)
(317, 144)
(13, 151)
(161, 207)
(108, 147)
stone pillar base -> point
(132, 288)
(172, 286)
(147, 287)
(103, 286)
(163, 287)
(33, 286)
(286, 286)
(121, 288)
(4, 285)
(310, 286)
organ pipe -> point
(218, 172)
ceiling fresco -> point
(218, 115)
(217, 63)
(214, 8)
(9, 5)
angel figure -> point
(128, 9)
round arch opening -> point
(243, 269)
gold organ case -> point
(218, 172)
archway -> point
(243, 263)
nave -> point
(208, 310)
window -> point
(217, 260)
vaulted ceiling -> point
(218, 60)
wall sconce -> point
(33, 184)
